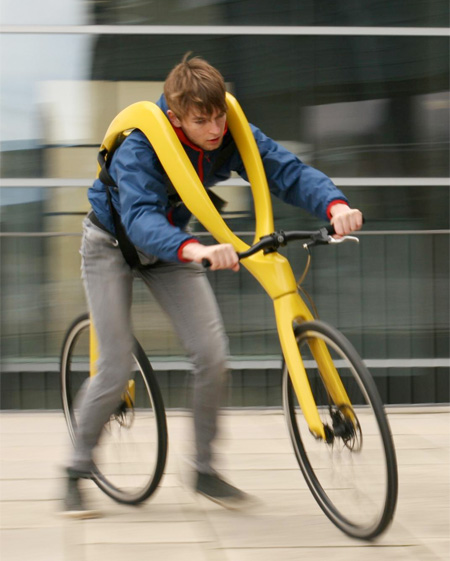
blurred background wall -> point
(358, 89)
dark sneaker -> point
(74, 506)
(216, 489)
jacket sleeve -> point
(143, 199)
(293, 181)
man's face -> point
(205, 131)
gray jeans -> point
(185, 294)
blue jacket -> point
(157, 228)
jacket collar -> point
(184, 139)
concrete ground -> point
(175, 525)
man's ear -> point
(173, 118)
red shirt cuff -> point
(336, 202)
(180, 249)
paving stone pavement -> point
(174, 525)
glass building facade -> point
(360, 91)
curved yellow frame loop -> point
(273, 271)
(246, 144)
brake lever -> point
(343, 239)
(324, 238)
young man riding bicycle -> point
(155, 222)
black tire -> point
(354, 481)
(131, 454)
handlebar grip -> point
(206, 263)
(330, 229)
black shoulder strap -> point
(128, 249)
(103, 160)
(104, 157)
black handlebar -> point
(272, 242)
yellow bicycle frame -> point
(272, 270)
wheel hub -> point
(345, 425)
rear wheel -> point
(353, 474)
(131, 454)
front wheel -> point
(353, 474)
(131, 453)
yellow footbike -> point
(336, 420)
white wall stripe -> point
(237, 181)
(226, 30)
(240, 234)
(238, 363)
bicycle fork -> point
(290, 308)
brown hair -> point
(194, 83)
